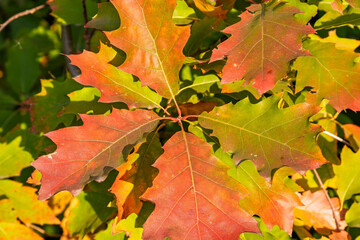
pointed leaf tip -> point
(261, 45)
(90, 151)
(194, 196)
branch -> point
(21, 14)
(328, 198)
(87, 36)
(66, 38)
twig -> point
(328, 198)
(337, 138)
(21, 14)
(87, 35)
(66, 38)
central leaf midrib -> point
(108, 147)
(251, 132)
(156, 49)
(131, 90)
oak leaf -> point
(114, 84)
(317, 212)
(89, 152)
(262, 44)
(332, 72)
(194, 196)
(246, 131)
(152, 42)
(347, 175)
(273, 203)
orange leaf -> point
(152, 42)
(194, 196)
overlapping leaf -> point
(114, 84)
(13, 158)
(87, 212)
(26, 208)
(194, 196)
(152, 42)
(15, 230)
(317, 212)
(287, 138)
(90, 151)
(334, 19)
(275, 234)
(142, 173)
(347, 174)
(352, 216)
(333, 73)
(275, 203)
(261, 45)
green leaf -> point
(129, 226)
(247, 131)
(114, 84)
(22, 68)
(352, 216)
(183, 14)
(71, 12)
(275, 234)
(27, 208)
(347, 174)
(8, 120)
(88, 211)
(107, 19)
(13, 158)
(334, 19)
(108, 235)
(203, 83)
(47, 106)
(308, 11)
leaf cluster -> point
(181, 119)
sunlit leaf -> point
(194, 196)
(246, 131)
(261, 45)
(90, 151)
(153, 44)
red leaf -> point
(152, 42)
(90, 151)
(194, 196)
(261, 45)
(114, 84)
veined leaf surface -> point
(152, 42)
(275, 203)
(114, 84)
(90, 151)
(194, 196)
(261, 45)
(287, 138)
(333, 72)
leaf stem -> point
(328, 198)
(337, 138)
(189, 116)
(21, 14)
